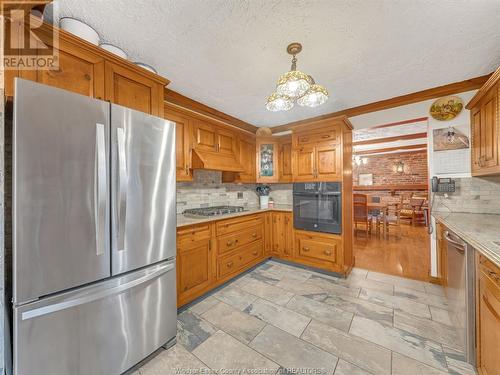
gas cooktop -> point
(212, 211)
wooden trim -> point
(390, 139)
(391, 187)
(435, 280)
(379, 150)
(419, 96)
(404, 122)
(494, 78)
(182, 101)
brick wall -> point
(383, 169)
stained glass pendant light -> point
(296, 86)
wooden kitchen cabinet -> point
(194, 262)
(285, 159)
(246, 158)
(89, 70)
(317, 155)
(267, 163)
(485, 124)
(488, 318)
(289, 235)
(182, 143)
(216, 139)
(268, 233)
(317, 249)
(278, 233)
(132, 90)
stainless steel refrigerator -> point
(94, 225)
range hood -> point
(215, 161)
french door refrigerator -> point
(94, 225)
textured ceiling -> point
(228, 53)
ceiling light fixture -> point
(296, 86)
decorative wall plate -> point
(447, 108)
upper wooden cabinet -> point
(130, 89)
(89, 70)
(246, 157)
(485, 124)
(214, 138)
(182, 143)
(267, 163)
(317, 153)
(285, 159)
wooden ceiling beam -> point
(390, 139)
(400, 148)
(180, 100)
(419, 96)
(398, 123)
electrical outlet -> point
(240, 195)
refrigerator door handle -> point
(122, 188)
(100, 187)
(94, 296)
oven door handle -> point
(331, 193)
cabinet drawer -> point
(188, 236)
(317, 249)
(491, 271)
(229, 242)
(233, 225)
(326, 136)
(232, 263)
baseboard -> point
(435, 280)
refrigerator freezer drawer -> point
(102, 329)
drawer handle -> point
(229, 265)
(255, 252)
(328, 252)
(325, 136)
(229, 243)
(305, 248)
(254, 235)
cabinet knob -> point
(328, 252)
(229, 265)
(255, 252)
(305, 248)
(229, 243)
(493, 275)
(254, 235)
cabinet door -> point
(247, 159)
(79, 70)
(278, 233)
(489, 326)
(204, 136)
(268, 234)
(488, 132)
(194, 269)
(226, 142)
(267, 160)
(288, 235)
(327, 162)
(182, 146)
(132, 90)
(476, 138)
(304, 164)
(285, 162)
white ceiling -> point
(228, 53)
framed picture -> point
(365, 179)
(449, 139)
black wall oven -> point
(317, 206)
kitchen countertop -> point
(183, 221)
(481, 231)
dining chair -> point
(393, 219)
(360, 214)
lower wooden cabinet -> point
(319, 250)
(212, 253)
(488, 318)
(194, 262)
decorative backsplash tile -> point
(207, 189)
(474, 195)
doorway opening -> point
(390, 198)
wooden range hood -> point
(218, 161)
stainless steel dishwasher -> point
(460, 292)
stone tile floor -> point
(284, 319)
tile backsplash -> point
(207, 189)
(474, 195)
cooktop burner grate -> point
(213, 211)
